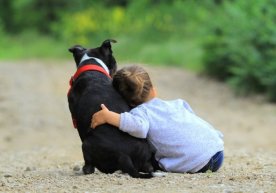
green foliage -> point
(174, 52)
(19, 15)
(90, 24)
(242, 47)
(30, 45)
(237, 39)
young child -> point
(183, 141)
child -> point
(183, 141)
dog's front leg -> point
(88, 167)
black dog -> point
(106, 148)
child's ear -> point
(154, 92)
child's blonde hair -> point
(133, 83)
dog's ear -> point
(108, 58)
(78, 52)
(106, 47)
(76, 49)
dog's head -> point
(104, 53)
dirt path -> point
(40, 151)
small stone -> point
(28, 169)
(10, 180)
(76, 168)
(7, 175)
(75, 187)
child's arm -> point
(135, 123)
(105, 116)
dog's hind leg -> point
(88, 167)
(126, 165)
(147, 167)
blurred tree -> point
(19, 15)
(48, 11)
(6, 14)
(122, 3)
(242, 45)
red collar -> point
(88, 67)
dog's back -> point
(106, 147)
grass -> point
(31, 45)
(184, 53)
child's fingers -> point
(103, 107)
(93, 121)
(94, 124)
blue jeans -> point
(214, 164)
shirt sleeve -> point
(135, 123)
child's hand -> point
(99, 118)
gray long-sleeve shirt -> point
(183, 141)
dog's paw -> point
(87, 169)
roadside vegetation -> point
(230, 40)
